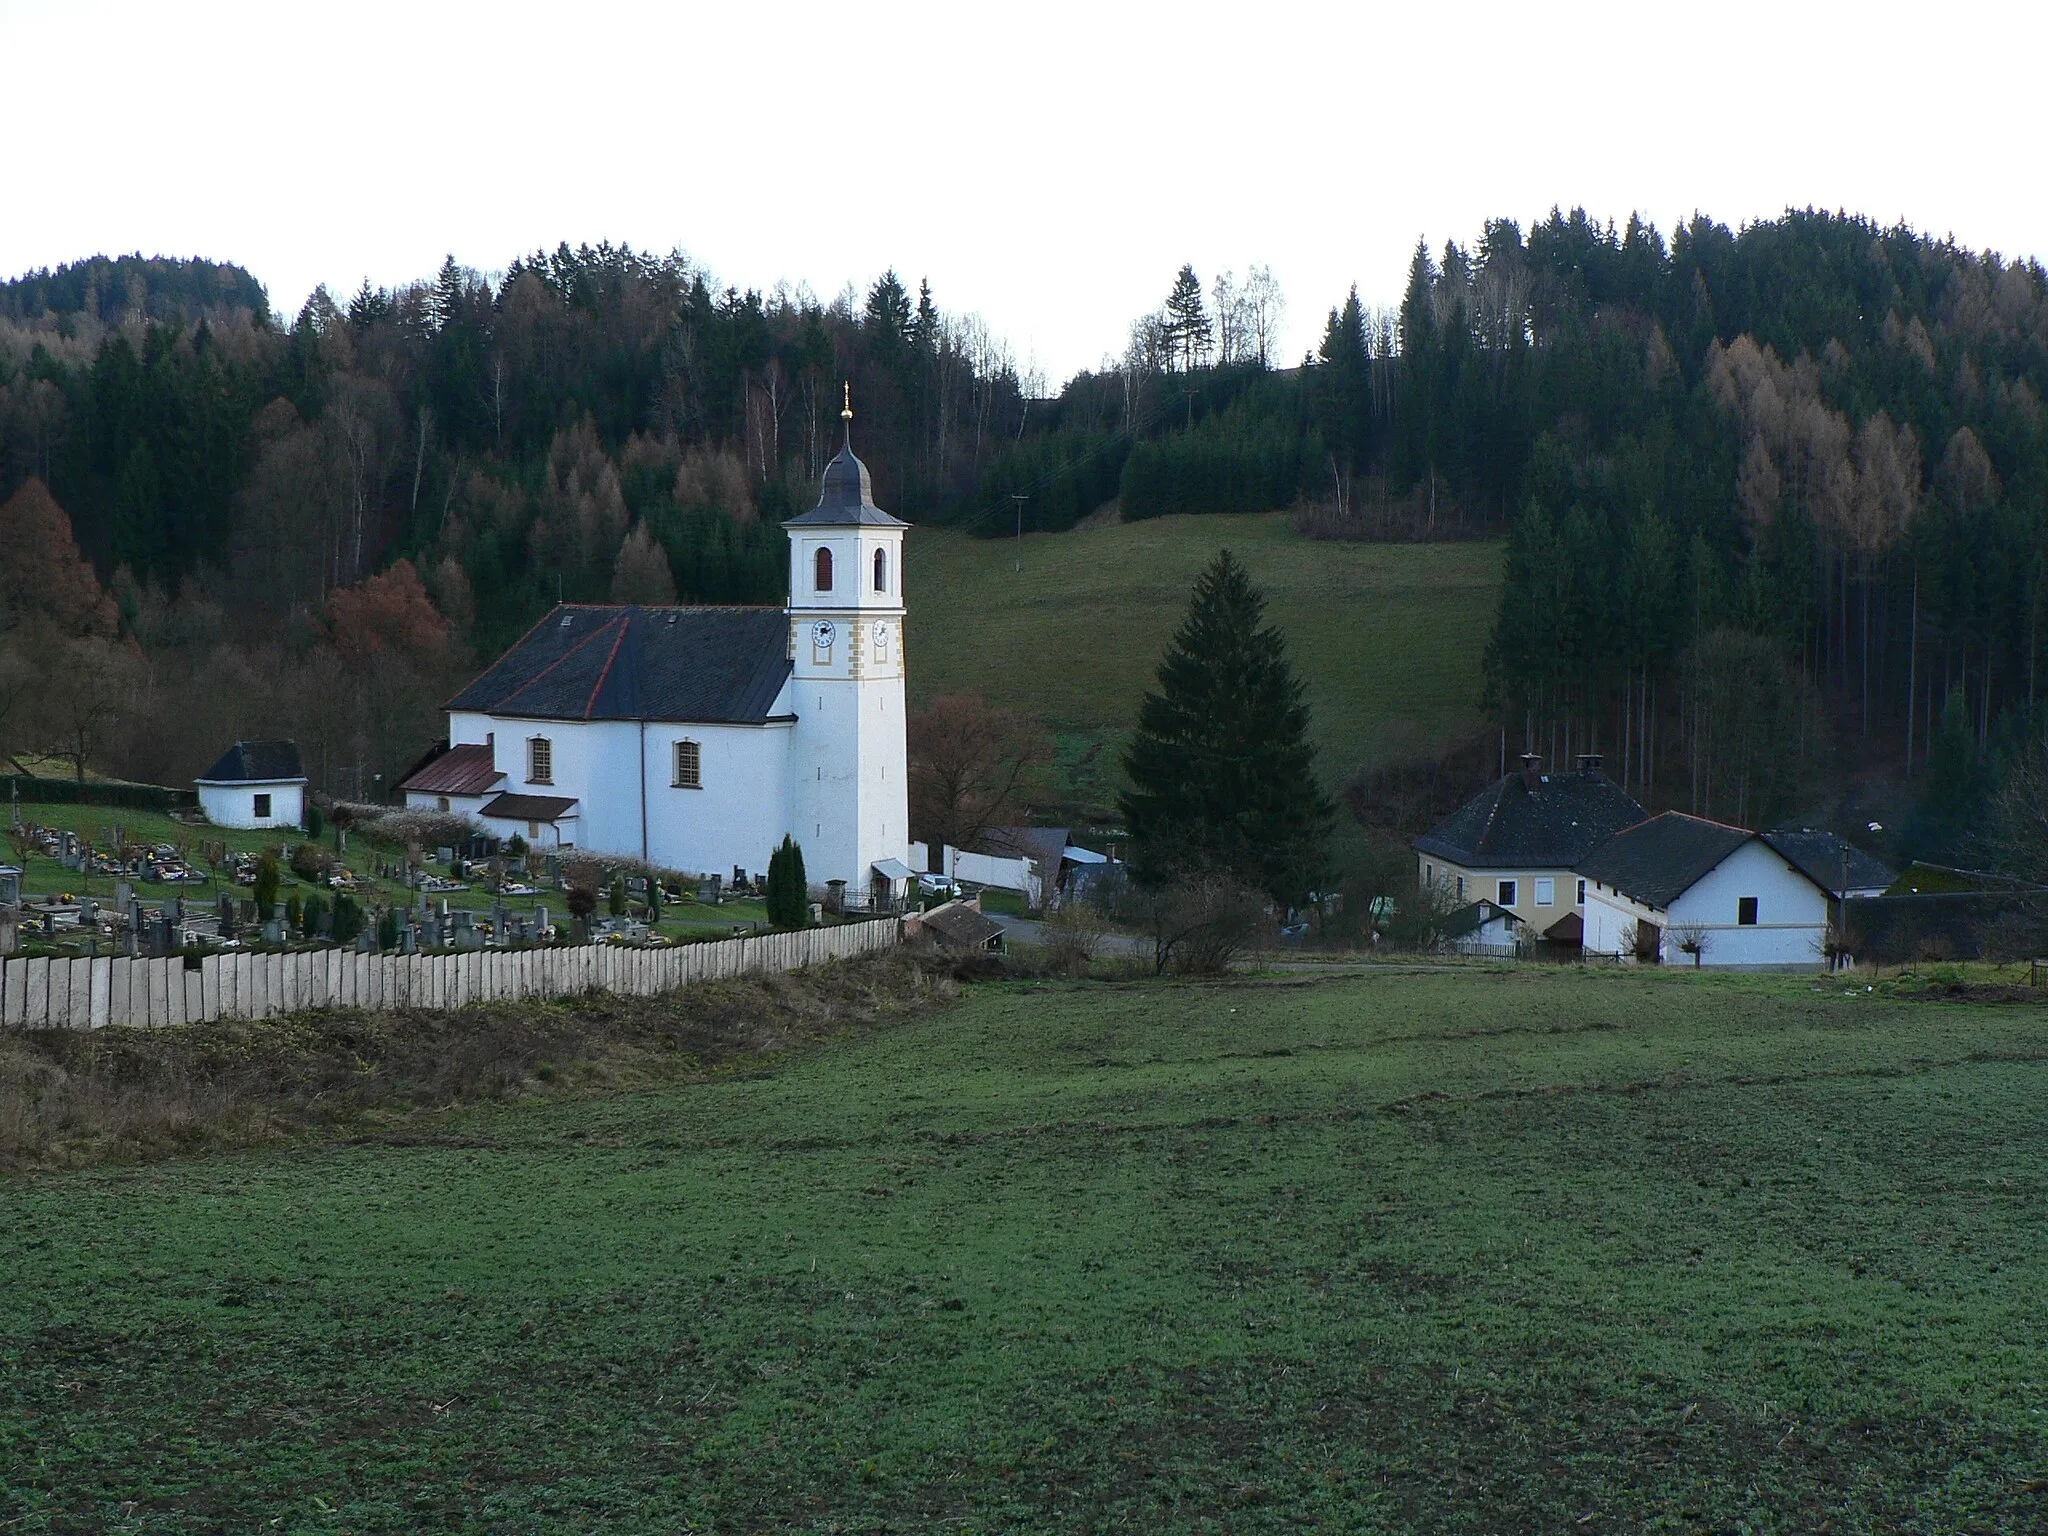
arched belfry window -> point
(822, 570)
(881, 570)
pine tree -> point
(789, 891)
(1222, 772)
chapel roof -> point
(720, 666)
(1533, 821)
(256, 762)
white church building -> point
(696, 738)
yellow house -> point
(1518, 844)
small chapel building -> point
(696, 738)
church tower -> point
(851, 792)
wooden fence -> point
(90, 994)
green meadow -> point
(1388, 638)
(1515, 1251)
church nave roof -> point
(590, 662)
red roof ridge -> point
(606, 670)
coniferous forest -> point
(1774, 501)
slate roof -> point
(256, 762)
(846, 497)
(1658, 860)
(1818, 856)
(1046, 845)
(720, 666)
(1550, 823)
(528, 808)
(464, 770)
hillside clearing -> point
(1387, 637)
(1515, 1251)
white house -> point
(697, 738)
(1738, 897)
(255, 784)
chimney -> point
(1532, 768)
(1589, 762)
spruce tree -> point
(1222, 772)
(1187, 321)
(789, 890)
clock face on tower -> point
(881, 638)
(822, 634)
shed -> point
(960, 925)
(255, 784)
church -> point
(696, 738)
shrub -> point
(266, 885)
(387, 930)
(315, 822)
(311, 862)
(312, 915)
(348, 918)
(789, 891)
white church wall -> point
(742, 808)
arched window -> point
(881, 570)
(821, 575)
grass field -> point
(1387, 637)
(1527, 1251)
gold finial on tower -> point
(846, 410)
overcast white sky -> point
(1047, 165)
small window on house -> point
(821, 570)
(441, 804)
(532, 830)
(540, 760)
(1546, 892)
(1508, 893)
(1745, 911)
(1582, 893)
(689, 765)
(1461, 887)
(881, 570)
(263, 805)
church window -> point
(821, 570)
(881, 570)
(540, 760)
(689, 765)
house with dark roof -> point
(1518, 844)
(255, 784)
(1679, 889)
(697, 738)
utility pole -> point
(1019, 499)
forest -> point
(1774, 500)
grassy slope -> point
(1387, 637)
(1528, 1251)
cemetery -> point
(83, 882)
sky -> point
(1048, 167)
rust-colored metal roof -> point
(466, 770)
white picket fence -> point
(90, 994)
